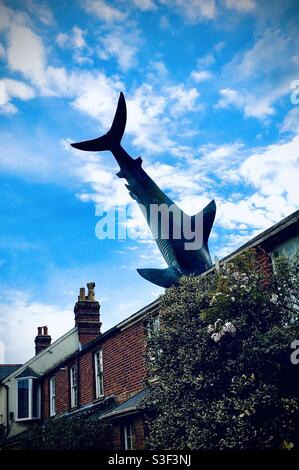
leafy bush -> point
(69, 433)
(220, 374)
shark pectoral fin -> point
(208, 217)
(120, 174)
(138, 161)
(161, 277)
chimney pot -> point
(90, 287)
(87, 315)
(42, 340)
(82, 294)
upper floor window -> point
(52, 396)
(99, 373)
(289, 249)
(152, 325)
(74, 386)
(28, 398)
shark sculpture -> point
(182, 257)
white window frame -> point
(153, 325)
(30, 399)
(99, 373)
(287, 248)
(74, 385)
(52, 395)
(128, 437)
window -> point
(52, 396)
(74, 386)
(99, 375)
(28, 398)
(288, 249)
(128, 437)
(152, 325)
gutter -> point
(7, 410)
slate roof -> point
(7, 369)
(91, 411)
(134, 403)
(27, 373)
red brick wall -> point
(137, 424)
(123, 361)
(86, 377)
(138, 433)
(62, 390)
(124, 370)
(124, 366)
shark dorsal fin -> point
(208, 216)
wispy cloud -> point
(261, 75)
(103, 11)
(19, 317)
(193, 10)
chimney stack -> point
(42, 340)
(87, 315)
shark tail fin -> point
(208, 217)
(113, 136)
(161, 277)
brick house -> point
(102, 374)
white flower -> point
(216, 337)
(233, 299)
(210, 328)
(229, 328)
(218, 322)
(274, 298)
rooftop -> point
(6, 369)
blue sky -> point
(208, 85)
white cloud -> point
(183, 98)
(19, 318)
(42, 11)
(123, 51)
(75, 39)
(275, 172)
(26, 54)
(252, 106)
(145, 5)
(241, 5)
(2, 51)
(96, 95)
(103, 11)
(78, 37)
(193, 10)
(291, 121)
(6, 16)
(62, 39)
(200, 75)
(13, 89)
(205, 61)
(219, 46)
(270, 53)
(261, 75)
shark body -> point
(145, 192)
